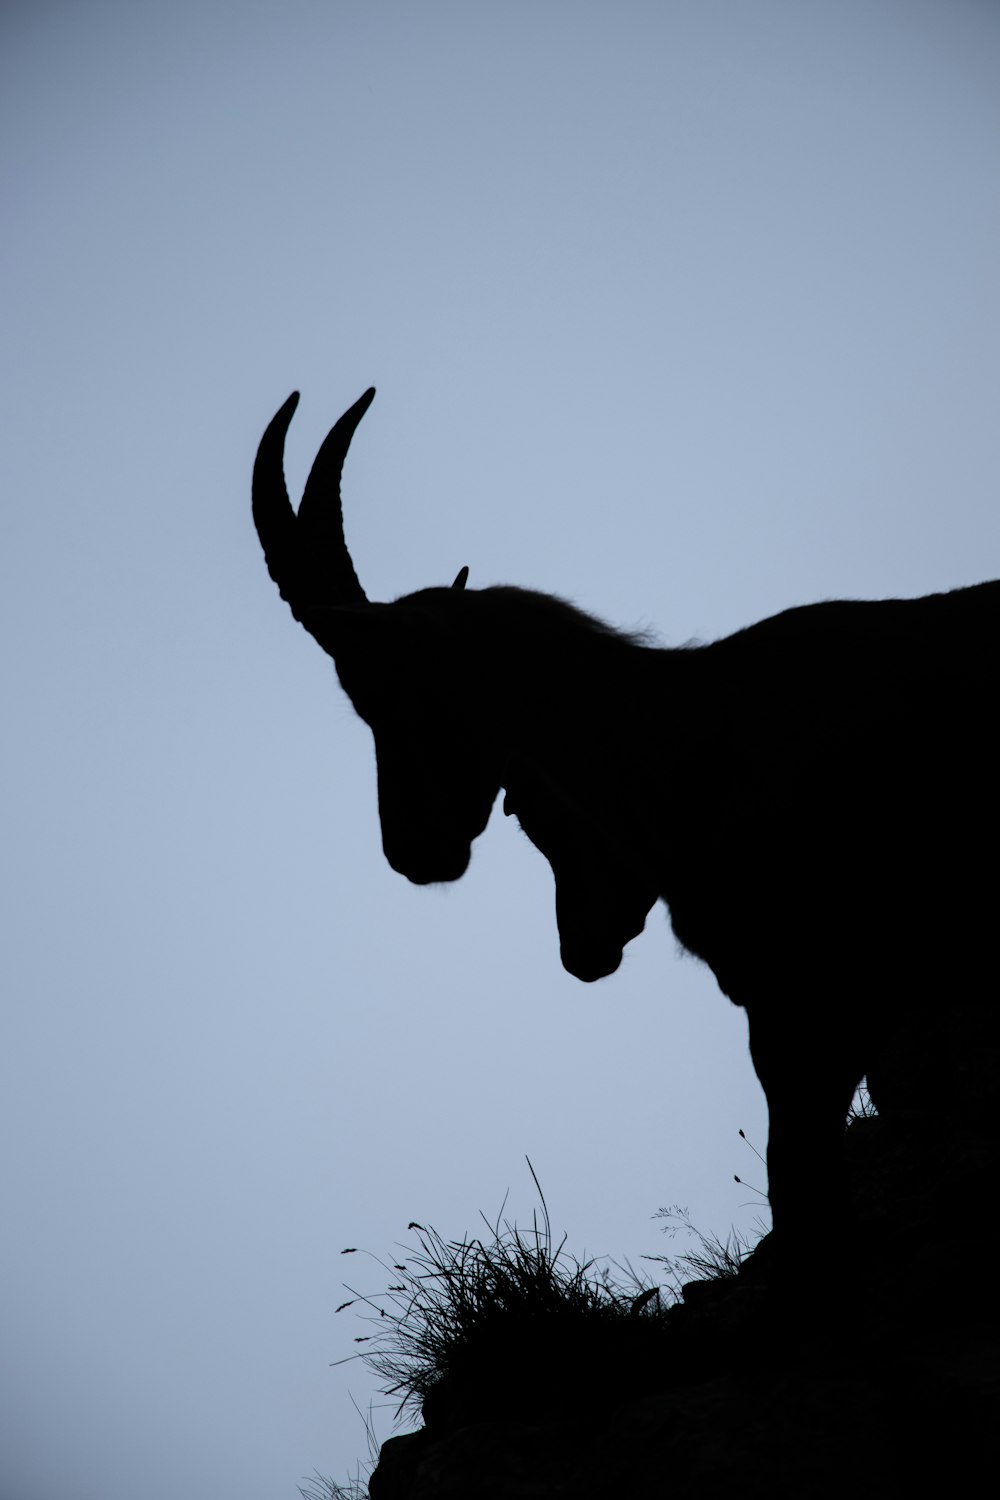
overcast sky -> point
(686, 311)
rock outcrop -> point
(877, 1371)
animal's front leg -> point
(809, 1076)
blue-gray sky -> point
(687, 311)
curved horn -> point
(321, 518)
(307, 555)
(272, 511)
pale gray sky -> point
(687, 311)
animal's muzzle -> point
(429, 867)
(590, 966)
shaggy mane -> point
(562, 614)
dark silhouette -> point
(603, 896)
(814, 798)
(532, 1388)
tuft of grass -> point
(320, 1487)
(712, 1259)
(504, 1321)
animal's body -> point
(814, 798)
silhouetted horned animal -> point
(814, 798)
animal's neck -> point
(595, 721)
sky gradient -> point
(687, 312)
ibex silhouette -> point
(815, 798)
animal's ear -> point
(461, 578)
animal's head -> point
(404, 665)
(602, 895)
